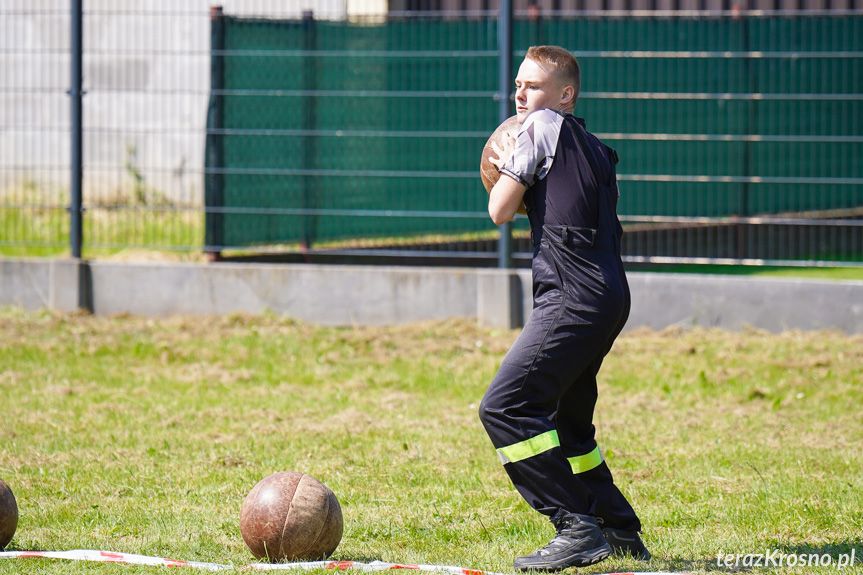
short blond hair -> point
(562, 62)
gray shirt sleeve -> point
(534, 147)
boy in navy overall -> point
(538, 410)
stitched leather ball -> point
(8, 515)
(291, 516)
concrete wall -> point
(332, 295)
(730, 302)
(372, 295)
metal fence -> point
(349, 135)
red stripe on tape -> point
(112, 557)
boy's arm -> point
(524, 160)
(505, 199)
(507, 195)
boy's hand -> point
(503, 153)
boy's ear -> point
(567, 95)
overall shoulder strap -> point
(607, 204)
(590, 154)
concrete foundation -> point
(375, 295)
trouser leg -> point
(574, 422)
(578, 445)
(518, 407)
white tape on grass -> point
(110, 557)
(132, 559)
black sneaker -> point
(578, 543)
(625, 543)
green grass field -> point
(164, 232)
(144, 436)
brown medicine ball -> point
(291, 516)
(8, 515)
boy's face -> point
(536, 88)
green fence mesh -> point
(320, 132)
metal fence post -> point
(214, 199)
(504, 46)
(310, 84)
(76, 94)
(743, 231)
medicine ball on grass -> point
(291, 516)
(8, 515)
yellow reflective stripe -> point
(529, 447)
(586, 462)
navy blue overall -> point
(538, 410)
